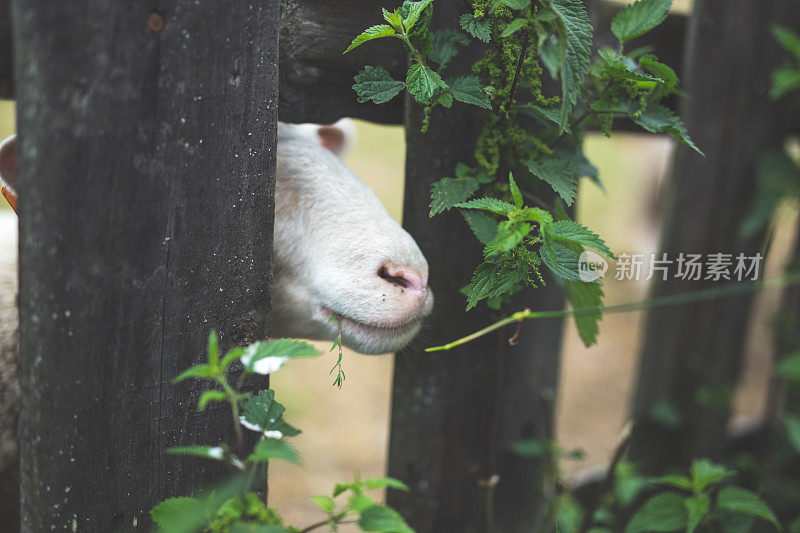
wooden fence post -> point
(692, 353)
(147, 166)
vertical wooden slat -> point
(698, 348)
(452, 420)
(147, 166)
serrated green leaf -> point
(490, 280)
(479, 29)
(468, 89)
(788, 39)
(509, 236)
(394, 18)
(233, 355)
(444, 46)
(659, 70)
(514, 26)
(447, 192)
(587, 300)
(269, 449)
(489, 204)
(383, 483)
(569, 230)
(483, 226)
(210, 396)
(697, 507)
(382, 519)
(265, 357)
(783, 81)
(213, 349)
(658, 119)
(680, 482)
(262, 413)
(561, 260)
(325, 503)
(662, 512)
(424, 84)
(639, 18)
(446, 100)
(373, 32)
(705, 473)
(376, 84)
(561, 175)
(516, 194)
(414, 12)
(203, 371)
(792, 425)
(574, 154)
(744, 501)
(577, 31)
(552, 115)
(176, 511)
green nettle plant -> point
(530, 141)
(233, 506)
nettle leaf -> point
(424, 84)
(574, 154)
(268, 449)
(479, 29)
(587, 300)
(448, 192)
(414, 11)
(697, 507)
(490, 280)
(658, 119)
(468, 89)
(574, 66)
(639, 18)
(374, 32)
(787, 39)
(662, 512)
(376, 84)
(569, 230)
(516, 194)
(325, 503)
(705, 473)
(210, 396)
(446, 99)
(552, 115)
(265, 357)
(173, 512)
(509, 236)
(394, 18)
(659, 70)
(792, 425)
(783, 81)
(561, 175)
(444, 46)
(382, 519)
(482, 225)
(489, 204)
(213, 349)
(514, 26)
(744, 501)
(561, 260)
(374, 483)
(197, 371)
(263, 414)
(680, 482)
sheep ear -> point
(338, 137)
(8, 170)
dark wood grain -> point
(147, 166)
(699, 347)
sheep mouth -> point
(373, 329)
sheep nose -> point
(405, 277)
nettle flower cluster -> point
(234, 506)
(530, 150)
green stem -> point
(662, 301)
(237, 427)
(336, 519)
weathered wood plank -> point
(699, 347)
(147, 170)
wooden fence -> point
(140, 179)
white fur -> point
(332, 236)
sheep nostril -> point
(402, 278)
